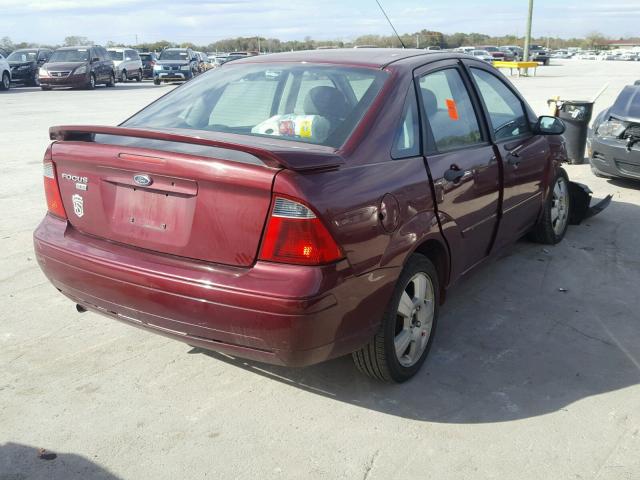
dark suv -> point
(25, 64)
(174, 65)
(295, 207)
(81, 67)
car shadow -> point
(19, 462)
(530, 332)
(625, 183)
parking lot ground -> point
(534, 373)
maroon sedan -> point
(296, 207)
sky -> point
(202, 22)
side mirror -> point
(95, 59)
(547, 125)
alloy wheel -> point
(414, 319)
(559, 206)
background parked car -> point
(482, 55)
(510, 54)
(127, 63)
(175, 64)
(614, 141)
(204, 62)
(25, 64)
(5, 74)
(539, 54)
(148, 59)
(495, 52)
(515, 50)
(81, 67)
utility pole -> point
(417, 41)
(527, 38)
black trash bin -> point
(576, 116)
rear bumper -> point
(280, 314)
(611, 157)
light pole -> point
(527, 37)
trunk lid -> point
(198, 198)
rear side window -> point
(506, 112)
(449, 110)
(303, 102)
(407, 139)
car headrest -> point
(430, 101)
(325, 101)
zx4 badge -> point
(78, 205)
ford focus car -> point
(297, 207)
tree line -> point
(421, 39)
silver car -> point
(128, 63)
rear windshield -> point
(309, 103)
(145, 56)
(23, 56)
(115, 55)
(174, 55)
(77, 55)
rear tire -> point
(123, 76)
(553, 222)
(139, 77)
(5, 84)
(398, 350)
(156, 81)
(112, 80)
(45, 87)
(92, 82)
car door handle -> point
(454, 174)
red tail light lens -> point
(52, 191)
(295, 235)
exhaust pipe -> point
(80, 308)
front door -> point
(461, 162)
(524, 155)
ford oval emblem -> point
(143, 180)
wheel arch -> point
(438, 254)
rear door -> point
(524, 156)
(461, 161)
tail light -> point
(296, 235)
(51, 189)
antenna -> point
(394, 28)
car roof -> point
(366, 57)
(77, 47)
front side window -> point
(505, 109)
(308, 103)
(449, 110)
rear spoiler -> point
(293, 158)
